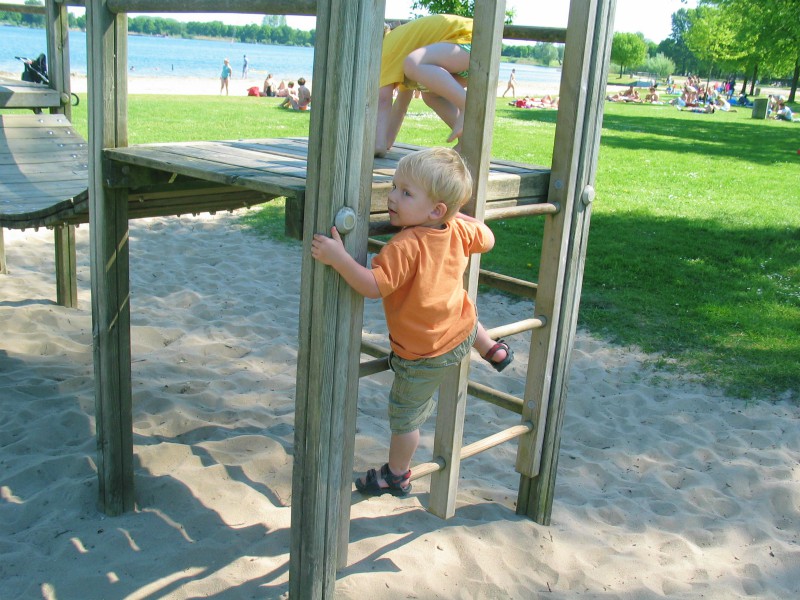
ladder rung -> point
(496, 397)
(370, 367)
(380, 226)
(424, 469)
(518, 327)
(373, 350)
(523, 210)
(512, 285)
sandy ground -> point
(665, 489)
(238, 87)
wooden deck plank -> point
(35, 147)
(229, 174)
(270, 156)
(25, 94)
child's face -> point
(409, 204)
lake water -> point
(176, 57)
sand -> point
(666, 488)
(197, 86)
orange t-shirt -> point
(420, 277)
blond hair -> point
(442, 173)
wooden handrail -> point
(297, 7)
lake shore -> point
(197, 86)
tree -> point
(712, 36)
(674, 46)
(628, 50)
(463, 8)
(545, 53)
(274, 20)
(771, 31)
(660, 65)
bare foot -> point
(458, 127)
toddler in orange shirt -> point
(419, 276)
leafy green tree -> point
(674, 47)
(274, 20)
(628, 50)
(659, 64)
(770, 30)
(545, 53)
(713, 37)
(464, 8)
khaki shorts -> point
(415, 383)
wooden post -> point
(3, 265)
(59, 76)
(580, 115)
(107, 55)
(66, 266)
(341, 142)
(58, 53)
(477, 149)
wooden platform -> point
(44, 173)
(43, 170)
(44, 176)
(277, 167)
(15, 93)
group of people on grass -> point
(778, 109)
(707, 99)
(632, 95)
(546, 101)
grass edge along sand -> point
(694, 248)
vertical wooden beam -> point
(578, 127)
(108, 216)
(66, 267)
(59, 76)
(476, 143)
(3, 264)
(58, 53)
(346, 64)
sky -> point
(650, 17)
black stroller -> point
(35, 70)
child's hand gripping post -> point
(331, 251)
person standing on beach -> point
(512, 85)
(244, 67)
(419, 276)
(225, 77)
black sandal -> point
(500, 345)
(371, 487)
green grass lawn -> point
(694, 249)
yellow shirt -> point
(401, 41)
(420, 277)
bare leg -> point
(401, 451)
(390, 117)
(382, 125)
(433, 66)
(398, 114)
(446, 110)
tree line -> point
(272, 31)
(750, 40)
